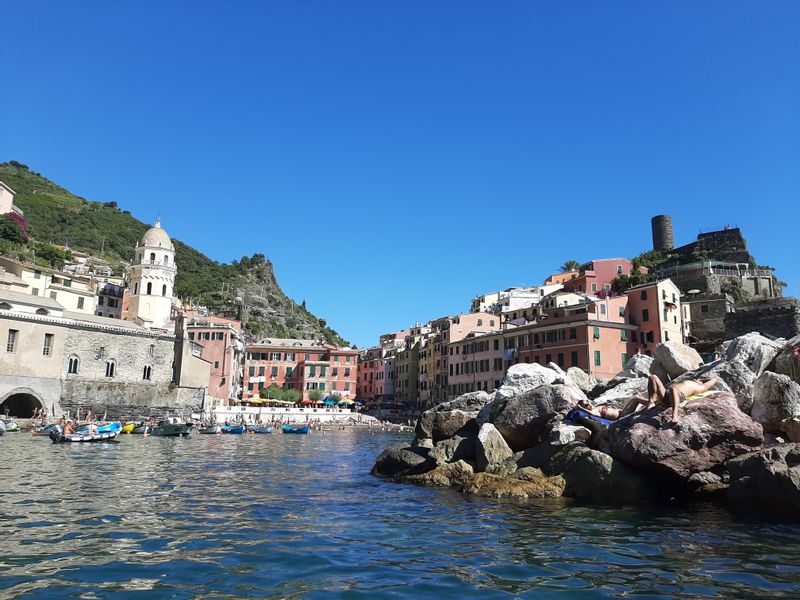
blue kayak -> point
(112, 427)
(294, 429)
(233, 429)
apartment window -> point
(53, 295)
(250, 387)
(704, 308)
(347, 372)
(35, 291)
(602, 309)
(624, 357)
(147, 372)
(80, 303)
(289, 371)
(336, 372)
(573, 334)
(334, 386)
(597, 358)
(251, 372)
(666, 336)
(216, 364)
(111, 368)
(261, 371)
(274, 355)
(643, 295)
(597, 333)
(574, 359)
(645, 315)
(619, 269)
(594, 287)
(100, 300)
(560, 360)
(191, 336)
(347, 359)
(72, 365)
(274, 372)
(290, 356)
(308, 357)
(312, 371)
(480, 322)
(323, 371)
(491, 322)
(47, 349)
(37, 274)
(650, 337)
(347, 386)
(11, 344)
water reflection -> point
(300, 516)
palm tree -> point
(570, 265)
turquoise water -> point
(300, 517)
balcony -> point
(156, 264)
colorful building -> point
(222, 346)
(597, 275)
(655, 308)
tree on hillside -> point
(12, 230)
(570, 265)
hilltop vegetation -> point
(245, 289)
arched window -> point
(111, 368)
(42, 311)
(146, 373)
(152, 257)
(164, 290)
(166, 259)
(135, 288)
(72, 368)
(149, 288)
(5, 306)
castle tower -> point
(663, 238)
(152, 279)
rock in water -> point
(448, 418)
(491, 449)
(524, 377)
(776, 398)
(754, 350)
(496, 486)
(521, 419)
(677, 358)
(444, 475)
(396, 460)
(768, 480)
(709, 432)
(453, 449)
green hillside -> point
(102, 229)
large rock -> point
(454, 474)
(788, 361)
(397, 460)
(754, 350)
(677, 358)
(448, 418)
(791, 427)
(522, 378)
(489, 485)
(732, 376)
(657, 369)
(590, 474)
(619, 395)
(453, 449)
(768, 480)
(563, 434)
(710, 431)
(638, 365)
(491, 449)
(776, 398)
(521, 419)
(581, 379)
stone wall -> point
(130, 400)
(727, 245)
(779, 317)
(709, 325)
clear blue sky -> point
(396, 159)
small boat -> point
(171, 426)
(11, 426)
(60, 438)
(294, 429)
(233, 429)
(210, 429)
(141, 428)
(114, 426)
(45, 430)
(2, 428)
(260, 428)
(128, 428)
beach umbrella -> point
(345, 401)
(329, 402)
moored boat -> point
(60, 438)
(127, 428)
(260, 428)
(114, 426)
(237, 429)
(294, 429)
(210, 429)
(45, 430)
(11, 426)
(141, 428)
(171, 426)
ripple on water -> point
(239, 516)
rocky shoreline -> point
(737, 445)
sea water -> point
(300, 516)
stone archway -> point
(21, 403)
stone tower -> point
(663, 238)
(152, 278)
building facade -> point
(152, 280)
(223, 348)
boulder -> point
(732, 376)
(657, 369)
(453, 449)
(396, 460)
(594, 475)
(490, 449)
(791, 427)
(754, 350)
(489, 485)
(768, 480)
(710, 431)
(556, 368)
(787, 362)
(422, 443)
(522, 419)
(563, 434)
(776, 398)
(581, 379)
(445, 475)
(619, 395)
(638, 365)
(522, 378)
(448, 418)
(677, 358)
(704, 478)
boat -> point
(294, 429)
(172, 426)
(107, 428)
(233, 429)
(2, 428)
(11, 426)
(128, 428)
(141, 428)
(45, 430)
(260, 428)
(60, 438)
(210, 429)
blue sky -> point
(394, 159)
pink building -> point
(222, 344)
(596, 276)
(656, 309)
(476, 363)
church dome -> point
(156, 237)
